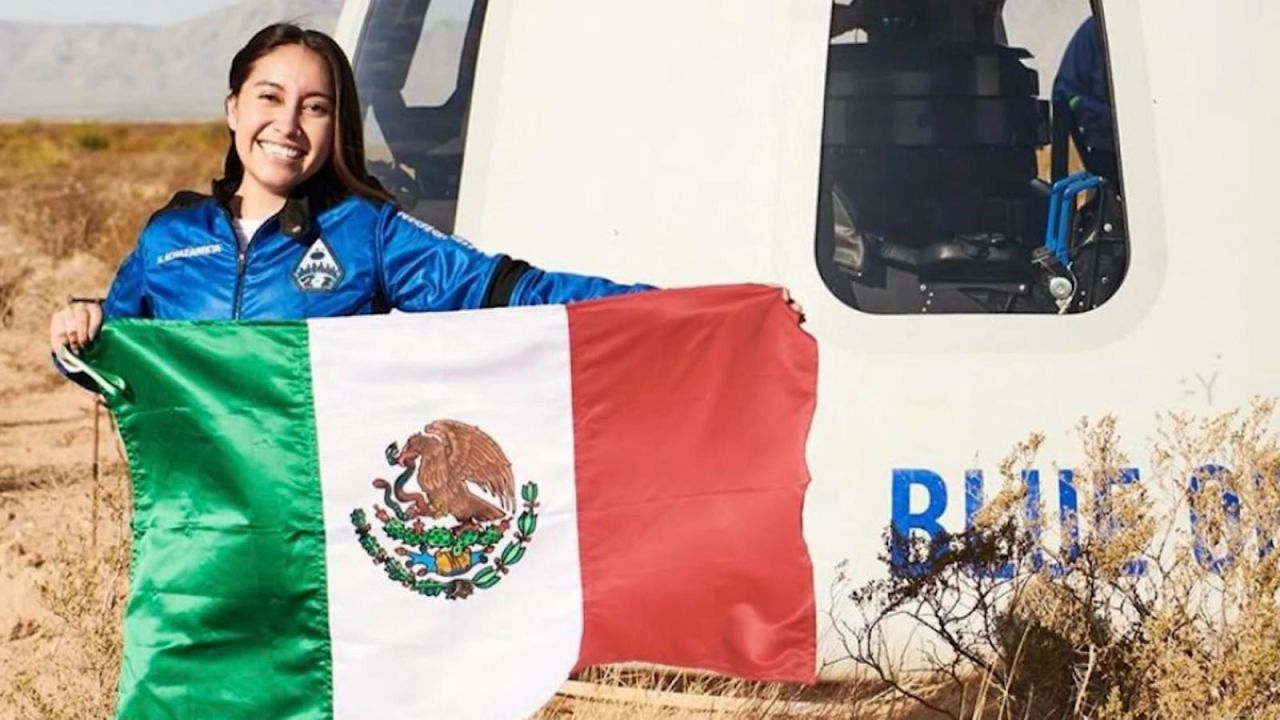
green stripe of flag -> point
(228, 529)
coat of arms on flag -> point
(454, 465)
(374, 517)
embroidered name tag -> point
(189, 252)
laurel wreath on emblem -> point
(451, 559)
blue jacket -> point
(1081, 83)
(353, 257)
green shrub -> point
(91, 139)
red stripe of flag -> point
(691, 409)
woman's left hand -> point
(74, 326)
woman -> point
(296, 227)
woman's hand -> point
(75, 326)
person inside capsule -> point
(1081, 86)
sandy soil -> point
(46, 456)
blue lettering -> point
(1068, 520)
(908, 524)
(905, 522)
(1266, 526)
(1203, 476)
(1031, 481)
(1107, 522)
(973, 498)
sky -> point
(145, 12)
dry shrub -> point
(73, 672)
(642, 692)
(67, 218)
(13, 273)
(90, 187)
(73, 198)
(1078, 632)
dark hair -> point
(344, 171)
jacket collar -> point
(296, 215)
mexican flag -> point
(443, 515)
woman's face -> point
(283, 119)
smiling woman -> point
(280, 148)
(297, 227)
(285, 121)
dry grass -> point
(627, 692)
(73, 662)
(89, 187)
(73, 198)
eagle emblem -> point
(457, 478)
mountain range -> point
(136, 72)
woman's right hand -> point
(74, 326)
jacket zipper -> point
(242, 257)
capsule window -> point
(415, 63)
(969, 158)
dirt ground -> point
(72, 199)
(46, 467)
